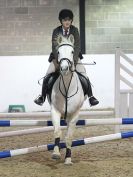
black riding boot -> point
(87, 89)
(92, 100)
(41, 98)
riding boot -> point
(92, 100)
(41, 98)
(87, 89)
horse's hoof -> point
(56, 154)
(68, 161)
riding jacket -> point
(74, 31)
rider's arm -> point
(76, 44)
(54, 43)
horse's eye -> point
(72, 52)
(58, 52)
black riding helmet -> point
(65, 13)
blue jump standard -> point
(123, 135)
(7, 123)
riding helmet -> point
(65, 13)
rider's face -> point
(66, 23)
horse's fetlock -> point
(57, 141)
(68, 153)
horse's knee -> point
(57, 133)
(71, 128)
(69, 135)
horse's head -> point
(65, 53)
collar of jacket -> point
(61, 29)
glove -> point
(51, 57)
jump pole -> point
(48, 114)
(86, 122)
(28, 131)
(48, 147)
(109, 121)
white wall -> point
(19, 76)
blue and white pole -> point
(109, 121)
(86, 122)
(11, 153)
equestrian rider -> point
(66, 28)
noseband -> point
(68, 61)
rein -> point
(63, 81)
(66, 92)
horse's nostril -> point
(65, 68)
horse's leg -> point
(57, 133)
(69, 137)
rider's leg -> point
(81, 69)
(52, 68)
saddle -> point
(54, 76)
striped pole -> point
(109, 121)
(11, 153)
(48, 114)
(86, 122)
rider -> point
(66, 28)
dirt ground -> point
(108, 159)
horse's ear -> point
(59, 39)
(71, 38)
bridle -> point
(70, 63)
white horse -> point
(67, 96)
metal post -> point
(82, 25)
(117, 86)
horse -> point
(67, 97)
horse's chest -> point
(73, 102)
